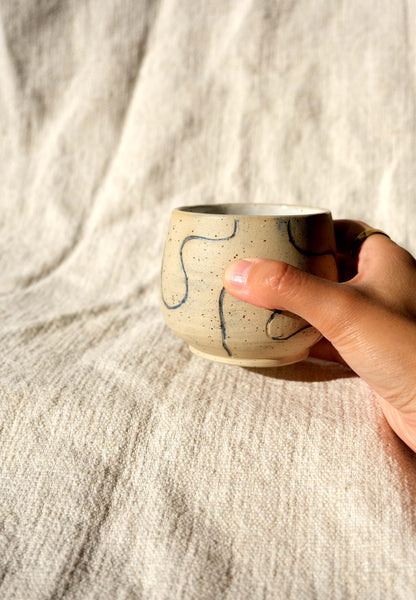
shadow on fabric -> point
(311, 369)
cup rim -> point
(253, 209)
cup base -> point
(252, 362)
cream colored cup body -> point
(201, 242)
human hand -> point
(368, 320)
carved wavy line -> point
(222, 322)
(278, 338)
(185, 241)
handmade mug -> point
(202, 240)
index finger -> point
(346, 232)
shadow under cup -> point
(202, 240)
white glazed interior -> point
(251, 209)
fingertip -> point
(251, 280)
(236, 274)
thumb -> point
(273, 285)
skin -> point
(368, 319)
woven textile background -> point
(129, 468)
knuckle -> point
(279, 280)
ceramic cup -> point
(202, 240)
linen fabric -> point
(129, 468)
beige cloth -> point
(129, 468)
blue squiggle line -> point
(185, 241)
(277, 338)
(222, 321)
(301, 250)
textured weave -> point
(129, 468)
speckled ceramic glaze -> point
(202, 240)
